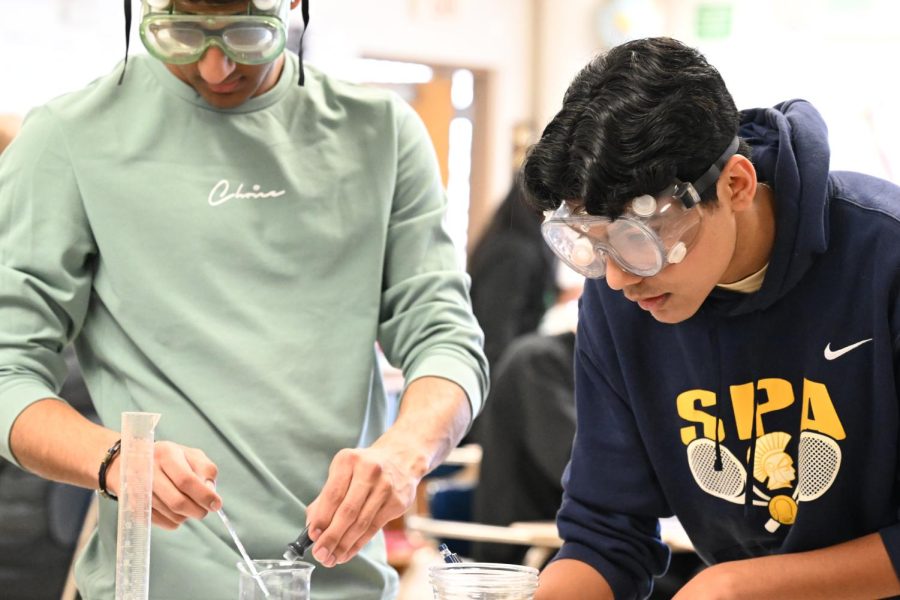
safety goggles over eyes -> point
(654, 232)
(185, 39)
(258, 37)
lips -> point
(224, 88)
(651, 302)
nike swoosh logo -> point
(833, 354)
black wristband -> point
(101, 476)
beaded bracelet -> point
(101, 477)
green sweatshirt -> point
(231, 270)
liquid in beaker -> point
(284, 580)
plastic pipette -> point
(240, 547)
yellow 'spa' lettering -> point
(687, 409)
(818, 411)
(779, 394)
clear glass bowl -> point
(483, 581)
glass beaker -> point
(283, 579)
(483, 581)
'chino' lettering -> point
(220, 194)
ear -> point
(737, 183)
(295, 4)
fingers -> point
(180, 491)
(206, 472)
(363, 539)
(348, 514)
(359, 525)
(361, 495)
(164, 517)
(321, 511)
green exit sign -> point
(714, 21)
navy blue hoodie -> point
(813, 355)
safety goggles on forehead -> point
(655, 231)
(255, 37)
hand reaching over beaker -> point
(367, 487)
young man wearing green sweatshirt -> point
(225, 247)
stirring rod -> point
(240, 547)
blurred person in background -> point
(528, 425)
(512, 274)
(225, 246)
(738, 366)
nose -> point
(618, 278)
(214, 66)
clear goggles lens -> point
(653, 233)
(183, 39)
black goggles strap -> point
(304, 12)
(127, 37)
(712, 174)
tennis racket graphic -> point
(818, 463)
(727, 484)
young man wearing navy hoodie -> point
(738, 365)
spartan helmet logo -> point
(772, 462)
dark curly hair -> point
(633, 120)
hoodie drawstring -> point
(722, 395)
(751, 459)
(714, 344)
(756, 350)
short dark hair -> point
(633, 120)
